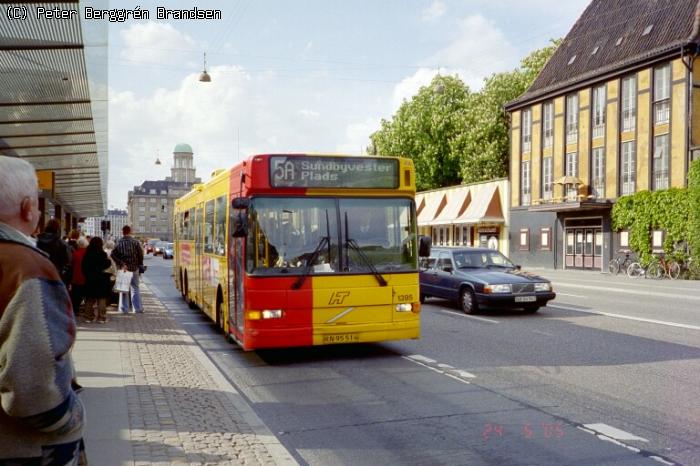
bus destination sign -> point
(333, 172)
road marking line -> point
(445, 366)
(613, 432)
(621, 316)
(661, 460)
(445, 311)
(418, 357)
(571, 295)
(622, 290)
(414, 361)
(465, 374)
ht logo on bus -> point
(337, 297)
(284, 170)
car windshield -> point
(481, 259)
(362, 234)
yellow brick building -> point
(616, 110)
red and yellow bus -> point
(298, 250)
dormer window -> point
(572, 59)
(595, 50)
(647, 29)
(619, 41)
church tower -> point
(183, 170)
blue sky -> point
(302, 76)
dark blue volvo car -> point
(481, 277)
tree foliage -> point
(454, 135)
(694, 204)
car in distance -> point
(481, 277)
(151, 245)
(167, 251)
(158, 248)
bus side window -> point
(209, 227)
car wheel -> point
(467, 301)
(531, 309)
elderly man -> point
(41, 418)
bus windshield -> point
(330, 236)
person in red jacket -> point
(77, 283)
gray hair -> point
(109, 244)
(17, 181)
(83, 242)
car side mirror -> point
(448, 269)
(518, 267)
(424, 244)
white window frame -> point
(598, 172)
(629, 103)
(599, 101)
(659, 162)
(571, 169)
(527, 130)
(525, 187)
(662, 94)
(547, 178)
(548, 124)
(572, 118)
(628, 168)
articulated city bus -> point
(300, 250)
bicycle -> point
(619, 263)
(635, 270)
(661, 267)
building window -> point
(629, 103)
(548, 124)
(142, 200)
(571, 118)
(142, 209)
(599, 98)
(142, 218)
(662, 94)
(660, 162)
(571, 170)
(525, 183)
(657, 240)
(152, 191)
(628, 174)
(624, 239)
(524, 240)
(527, 130)
(598, 172)
(465, 235)
(547, 178)
(546, 239)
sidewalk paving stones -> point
(153, 397)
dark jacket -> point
(58, 250)
(97, 281)
(129, 253)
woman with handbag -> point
(98, 285)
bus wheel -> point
(219, 320)
(182, 285)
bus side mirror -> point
(424, 244)
(240, 203)
(240, 224)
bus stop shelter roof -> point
(53, 106)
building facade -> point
(116, 218)
(616, 110)
(466, 215)
(150, 205)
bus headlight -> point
(405, 307)
(272, 314)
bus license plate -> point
(341, 338)
(525, 299)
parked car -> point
(150, 246)
(168, 251)
(476, 277)
(158, 248)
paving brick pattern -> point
(178, 413)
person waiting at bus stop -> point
(128, 255)
(41, 417)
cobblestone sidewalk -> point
(171, 405)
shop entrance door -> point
(583, 248)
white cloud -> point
(357, 136)
(479, 50)
(436, 10)
(155, 43)
(310, 114)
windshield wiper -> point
(309, 263)
(380, 279)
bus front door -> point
(199, 253)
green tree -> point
(423, 128)
(454, 135)
(694, 210)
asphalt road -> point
(607, 374)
